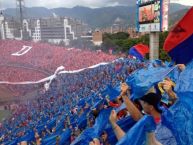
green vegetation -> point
(163, 55)
(122, 42)
(4, 114)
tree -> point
(163, 55)
(121, 42)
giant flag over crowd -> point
(177, 118)
(179, 43)
(139, 51)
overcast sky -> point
(72, 3)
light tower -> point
(2, 30)
(20, 7)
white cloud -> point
(183, 2)
(62, 3)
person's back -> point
(164, 135)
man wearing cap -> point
(150, 104)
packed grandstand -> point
(97, 98)
(67, 89)
(42, 59)
(75, 108)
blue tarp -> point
(137, 134)
(65, 137)
(178, 118)
(142, 80)
(101, 121)
(184, 83)
(111, 92)
(82, 121)
(29, 136)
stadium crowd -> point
(43, 57)
(77, 102)
(74, 103)
(124, 102)
(62, 107)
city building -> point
(53, 29)
(133, 33)
(9, 28)
(117, 26)
(97, 37)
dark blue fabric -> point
(60, 126)
(142, 80)
(98, 104)
(179, 119)
(65, 137)
(183, 52)
(134, 52)
(136, 135)
(50, 139)
(41, 127)
(111, 92)
(82, 121)
(164, 135)
(184, 83)
(81, 103)
(13, 142)
(29, 136)
(101, 121)
(85, 137)
(51, 123)
(94, 132)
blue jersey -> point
(164, 135)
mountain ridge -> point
(95, 17)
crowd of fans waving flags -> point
(129, 101)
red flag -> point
(179, 43)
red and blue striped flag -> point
(139, 51)
(179, 43)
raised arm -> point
(38, 139)
(132, 109)
(117, 130)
